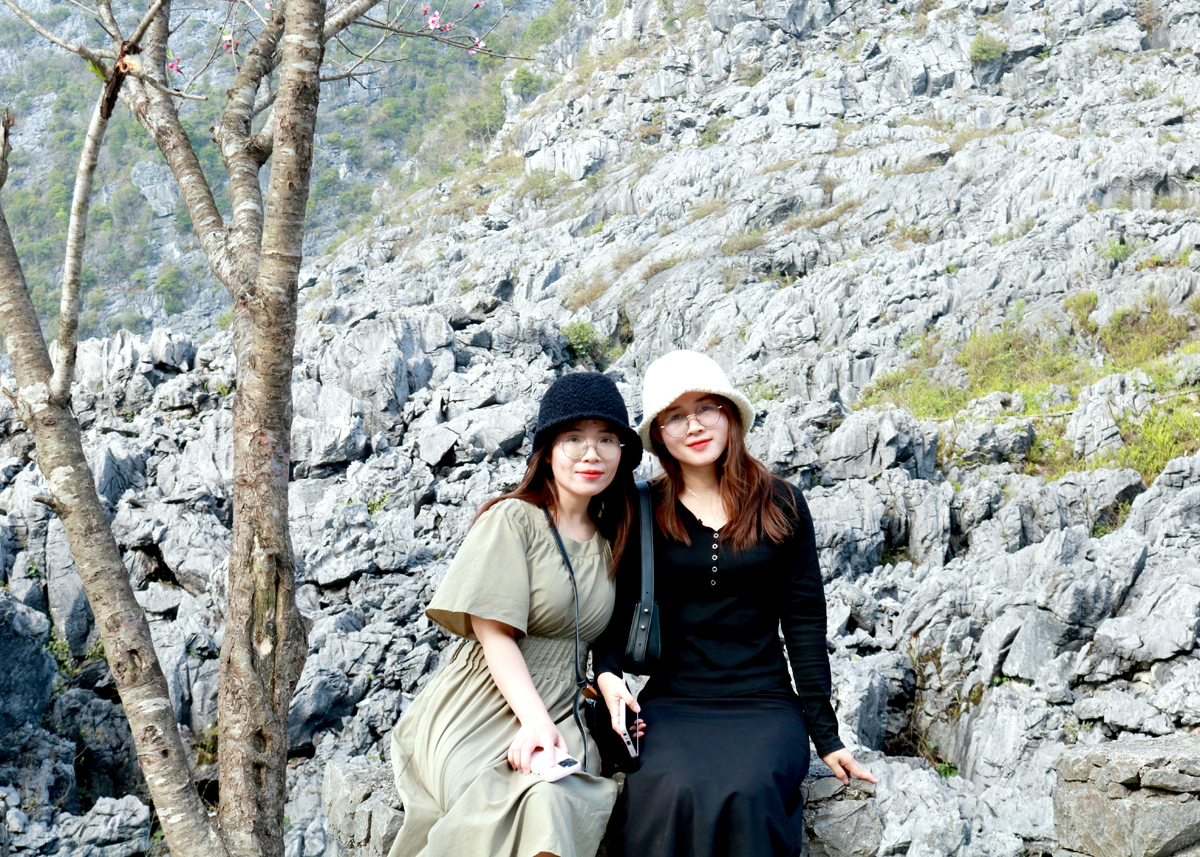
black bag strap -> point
(641, 622)
(580, 679)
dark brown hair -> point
(611, 510)
(758, 504)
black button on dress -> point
(726, 744)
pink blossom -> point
(478, 3)
(425, 11)
(478, 46)
(435, 20)
(270, 5)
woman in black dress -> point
(726, 744)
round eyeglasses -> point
(575, 447)
(677, 424)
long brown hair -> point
(611, 510)
(748, 490)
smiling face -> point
(700, 446)
(591, 474)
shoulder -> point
(510, 512)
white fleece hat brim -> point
(679, 372)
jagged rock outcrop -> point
(810, 194)
(1130, 799)
(28, 668)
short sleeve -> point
(489, 576)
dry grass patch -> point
(959, 140)
(585, 293)
(918, 165)
(823, 217)
(786, 164)
(743, 242)
(705, 209)
(659, 265)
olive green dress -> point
(449, 751)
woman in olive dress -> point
(461, 752)
(726, 740)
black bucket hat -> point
(587, 396)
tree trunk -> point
(119, 618)
(265, 640)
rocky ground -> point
(841, 211)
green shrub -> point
(326, 182)
(356, 200)
(1168, 431)
(526, 84)
(1116, 250)
(584, 341)
(171, 286)
(547, 26)
(1133, 337)
(985, 49)
(1080, 306)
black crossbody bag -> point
(644, 646)
(641, 653)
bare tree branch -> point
(147, 19)
(88, 54)
(148, 79)
(263, 143)
(233, 136)
(68, 316)
(345, 15)
(159, 115)
(109, 21)
(7, 120)
(68, 313)
(445, 40)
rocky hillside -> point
(948, 249)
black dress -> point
(726, 744)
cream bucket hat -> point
(679, 372)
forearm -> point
(509, 671)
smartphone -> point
(628, 722)
(553, 764)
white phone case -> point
(552, 766)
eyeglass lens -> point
(677, 424)
(575, 448)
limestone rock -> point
(112, 828)
(1157, 810)
(364, 811)
(25, 681)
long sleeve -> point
(804, 630)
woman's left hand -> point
(844, 767)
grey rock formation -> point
(37, 769)
(69, 608)
(112, 828)
(815, 195)
(106, 763)
(28, 668)
(364, 811)
(1133, 798)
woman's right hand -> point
(535, 736)
(614, 690)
